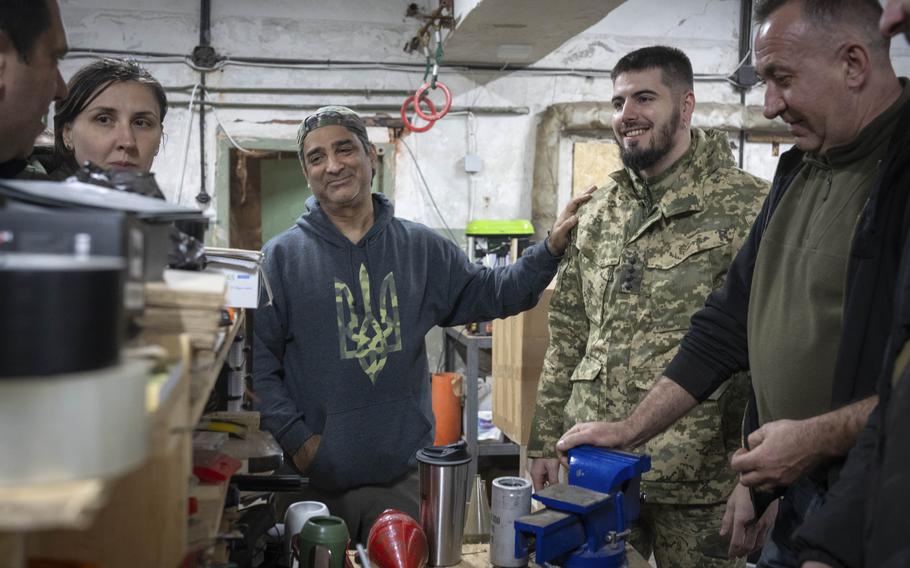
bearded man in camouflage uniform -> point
(651, 244)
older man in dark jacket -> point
(863, 520)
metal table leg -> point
(469, 385)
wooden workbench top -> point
(478, 556)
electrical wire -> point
(742, 62)
(218, 66)
(410, 68)
(157, 60)
(144, 57)
(729, 78)
(186, 143)
(428, 192)
(228, 134)
(403, 67)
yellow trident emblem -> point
(371, 340)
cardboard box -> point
(519, 345)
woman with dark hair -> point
(113, 117)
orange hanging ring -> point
(421, 95)
(404, 114)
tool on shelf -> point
(587, 520)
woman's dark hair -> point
(85, 86)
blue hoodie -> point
(341, 350)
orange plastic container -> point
(447, 408)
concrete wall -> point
(373, 33)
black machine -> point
(74, 258)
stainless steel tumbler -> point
(443, 472)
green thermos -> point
(323, 542)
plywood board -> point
(519, 345)
(592, 164)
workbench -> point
(478, 556)
(135, 519)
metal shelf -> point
(473, 344)
(498, 449)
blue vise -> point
(587, 520)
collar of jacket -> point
(316, 221)
(679, 189)
(868, 139)
(794, 159)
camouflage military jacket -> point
(643, 258)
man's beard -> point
(638, 158)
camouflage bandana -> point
(333, 115)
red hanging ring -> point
(421, 94)
(404, 115)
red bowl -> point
(397, 541)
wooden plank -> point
(246, 207)
(143, 524)
(12, 550)
(519, 345)
(478, 556)
(592, 164)
(36, 507)
(144, 521)
(206, 523)
(248, 418)
(770, 138)
(73, 505)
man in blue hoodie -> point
(340, 363)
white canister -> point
(510, 500)
(294, 518)
(60, 428)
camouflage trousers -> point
(682, 536)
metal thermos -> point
(443, 494)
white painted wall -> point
(375, 31)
